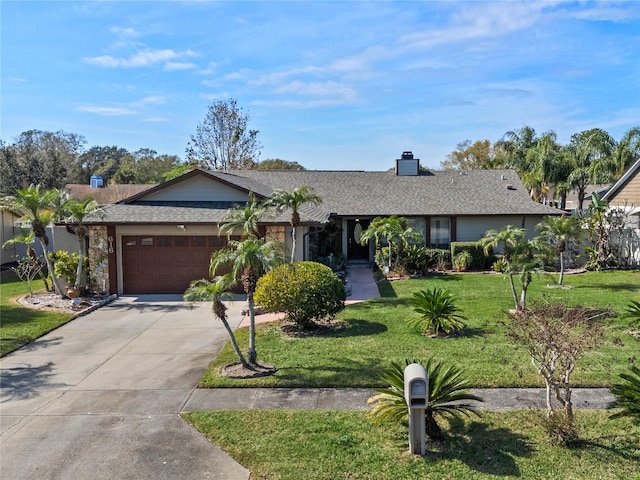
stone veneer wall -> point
(98, 257)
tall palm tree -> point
(244, 218)
(448, 395)
(588, 154)
(293, 200)
(560, 231)
(249, 260)
(216, 291)
(625, 152)
(393, 230)
(36, 206)
(78, 210)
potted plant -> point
(462, 260)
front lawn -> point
(375, 333)
(20, 325)
(279, 444)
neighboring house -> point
(10, 253)
(158, 240)
(624, 195)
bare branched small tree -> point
(555, 336)
(223, 140)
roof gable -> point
(627, 188)
(201, 186)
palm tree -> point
(249, 260)
(437, 311)
(623, 153)
(627, 395)
(448, 395)
(37, 207)
(27, 237)
(587, 153)
(559, 231)
(78, 210)
(216, 291)
(522, 256)
(244, 218)
(633, 312)
(393, 230)
(293, 200)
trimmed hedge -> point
(479, 260)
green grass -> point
(376, 332)
(278, 444)
(20, 325)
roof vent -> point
(407, 166)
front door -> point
(355, 251)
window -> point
(215, 241)
(440, 233)
(146, 241)
(181, 241)
(198, 241)
(164, 241)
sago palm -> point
(448, 395)
(627, 395)
(437, 311)
(216, 291)
(633, 312)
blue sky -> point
(330, 85)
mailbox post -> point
(416, 394)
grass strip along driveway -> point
(20, 325)
(374, 333)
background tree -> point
(560, 231)
(48, 159)
(471, 156)
(514, 146)
(293, 200)
(278, 164)
(223, 140)
(144, 166)
(624, 153)
(102, 161)
(587, 153)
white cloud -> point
(153, 100)
(124, 32)
(172, 66)
(156, 119)
(143, 58)
(106, 111)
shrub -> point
(65, 265)
(479, 261)
(437, 312)
(304, 291)
(438, 258)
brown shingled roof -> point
(107, 194)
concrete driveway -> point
(99, 397)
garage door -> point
(166, 264)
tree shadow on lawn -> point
(627, 287)
(625, 446)
(336, 375)
(355, 327)
(484, 448)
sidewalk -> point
(495, 399)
